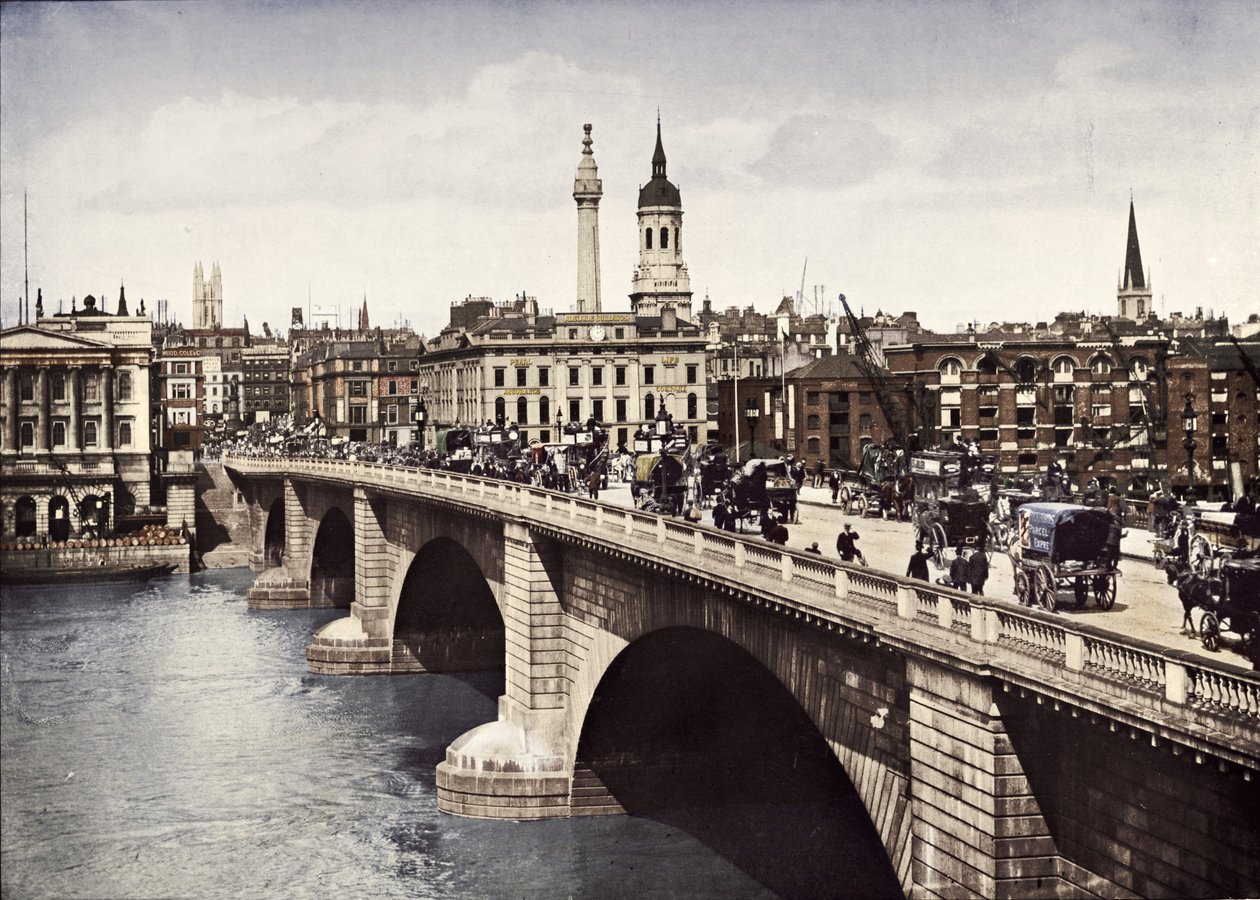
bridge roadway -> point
(999, 751)
(1147, 607)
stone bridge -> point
(995, 750)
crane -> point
(874, 373)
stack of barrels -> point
(148, 536)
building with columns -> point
(75, 429)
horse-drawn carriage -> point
(660, 482)
(1194, 537)
(759, 486)
(952, 503)
(881, 486)
(1063, 546)
(1236, 608)
(714, 471)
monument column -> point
(587, 191)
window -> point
(181, 368)
(864, 421)
(391, 414)
(813, 422)
(89, 387)
(597, 376)
(358, 415)
(649, 374)
(647, 235)
(28, 434)
(691, 376)
(544, 377)
(500, 410)
(575, 410)
(678, 249)
(619, 333)
(840, 420)
(988, 365)
(811, 398)
(357, 365)
(693, 407)
(573, 334)
(619, 375)
(393, 365)
(522, 410)
(664, 238)
(597, 410)
(621, 409)
(1064, 368)
(180, 391)
(864, 397)
(522, 374)
(26, 386)
(649, 407)
(951, 371)
(89, 433)
(1025, 370)
(358, 388)
(59, 434)
(58, 386)
(392, 387)
(1025, 422)
(499, 375)
(544, 411)
(124, 434)
(575, 376)
(1100, 364)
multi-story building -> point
(74, 437)
(398, 393)
(264, 384)
(181, 389)
(512, 363)
(340, 383)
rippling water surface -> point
(163, 740)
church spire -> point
(1134, 279)
(658, 158)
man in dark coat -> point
(833, 482)
(958, 570)
(918, 567)
(845, 543)
(978, 572)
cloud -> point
(824, 152)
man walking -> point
(845, 545)
(918, 567)
(958, 570)
(833, 482)
(978, 572)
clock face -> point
(597, 332)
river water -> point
(162, 740)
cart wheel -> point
(939, 545)
(1043, 587)
(845, 497)
(1080, 590)
(1021, 588)
(1210, 630)
(1200, 555)
(862, 504)
(1105, 591)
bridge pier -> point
(520, 767)
(288, 585)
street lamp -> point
(420, 413)
(1189, 423)
(751, 414)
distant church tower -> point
(207, 298)
(1133, 301)
(587, 191)
(661, 279)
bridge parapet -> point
(1208, 706)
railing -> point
(1014, 642)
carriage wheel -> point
(1105, 591)
(1210, 630)
(1080, 590)
(862, 503)
(1043, 587)
(845, 497)
(939, 545)
(1200, 555)
(1022, 588)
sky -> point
(969, 161)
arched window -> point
(522, 411)
(124, 386)
(678, 240)
(1064, 367)
(59, 434)
(647, 234)
(693, 409)
(89, 434)
(214, 407)
(1138, 369)
(664, 238)
(124, 434)
(951, 370)
(544, 410)
(988, 365)
(500, 410)
(1100, 364)
(813, 446)
(1025, 370)
(649, 407)
(28, 434)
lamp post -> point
(751, 414)
(1189, 423)
(420, 413)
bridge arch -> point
(273, 541)
(685, 719)
(446, 617)
(332, 561)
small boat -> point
(83, 574)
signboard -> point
(1036, 530)
(920, 465)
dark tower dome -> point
(659, 191)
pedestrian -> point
(768, 518)
(978, 572)
(592, 484)
(778, 534)
(719, 515)
(845, 545)
(918, 567)
(958, 570)
(820, 469)
(833, 482)
(813, 548)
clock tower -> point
(660, 281)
